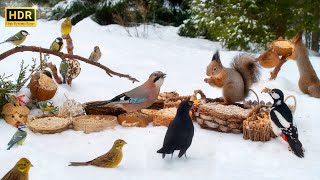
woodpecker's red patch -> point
(284, 137)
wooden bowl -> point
(48, 124)
(42, 87)
(134, 119)
(269, 59)
(94, 123)
(282, 47)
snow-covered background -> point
(212, 155)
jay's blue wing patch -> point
(136, 100)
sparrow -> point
(95, 55)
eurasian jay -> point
(138, 98)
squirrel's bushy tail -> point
(247, 66)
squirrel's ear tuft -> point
(216, 56)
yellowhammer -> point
(19, 171)
(66, 27)
(109, 160)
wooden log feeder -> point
(258, 127)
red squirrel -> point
(234, 81)
(309, 82)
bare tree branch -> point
(64, 56)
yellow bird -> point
(57, 44)
(18, 38)
(19, 171)
(109, 160)
(66, 27)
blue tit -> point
(19, 137)
(18, 38)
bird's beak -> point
(196, 101)
(125, 142)
(31, 165)
(163, 75)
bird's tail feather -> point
(78, 164)
(10, 146)
(2, 42)
(182, 152)
(165, 150)
(296, 147)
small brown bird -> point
(95, 55)
(19, 171)
(109, 160)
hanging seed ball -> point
(269, 59)
(42, 87)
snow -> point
(212, 155)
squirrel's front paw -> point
(206, 80)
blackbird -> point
(180, 132)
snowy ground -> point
(212, 155)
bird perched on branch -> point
(95, 55)
(66, 27)
(57, 44)
(20, 171)
(282, 122)
(18, 38)
(138, 98)
(19, 137)
(63, 70)
(109, 160)
(180, 132)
